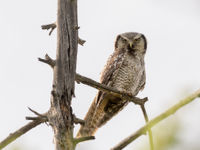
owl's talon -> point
(130, 94)
(125, 93)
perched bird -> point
(125, 71)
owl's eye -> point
(123, 40)
(137, 40)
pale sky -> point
(172, 28)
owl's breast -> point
(128, 77)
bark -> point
(60, 114)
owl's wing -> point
(110, 71)
(143, 81)
(98, 113)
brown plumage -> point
(124, 71)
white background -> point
(172, 28)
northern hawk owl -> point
(125, 71)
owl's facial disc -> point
(131, 42)
(134, 42)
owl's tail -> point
(90, 125)
(97, 116)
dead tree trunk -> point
(60, 114)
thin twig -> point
(81, 41)
(32, 118)
(52, 26)
(104, 88)
(82, 139)
(48, 60)
(149, 130)
(156, 120)
(78, 121)
(13, 136)
(39, 116)
(36, 113)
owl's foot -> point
(125, 93)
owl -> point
(124, 71)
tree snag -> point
(60, 115)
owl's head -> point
(131, 41)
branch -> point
(81, 41)
(156, 120)
(48, 60)
(149, 130)
(39, 116)
(104, 88)
(82, 139)
(52, 26)
(78, 121)
(13, 136)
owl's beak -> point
(131, 45)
